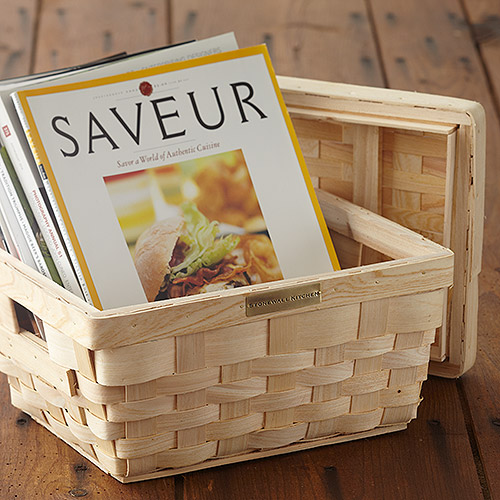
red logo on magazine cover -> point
(146, 88)
(6, 131)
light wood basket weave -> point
(416, 159)
(190, 383)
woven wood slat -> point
(365, 402)
(399, 414)
(142, 447)
(149, 361)
(81, 431)
(8, 367)
(99, 394)
(61, 348)
(282, 363)
(140, 410)
(326, 374)
(410, 143)
(235, 427)
(405, 395)
(327, 328)
(324, 410)
(368, 348)
(406, 357)
(318, 129)
(187, 456)
(134, 430)
(368, 365)
(237, 391)
(368, 382)
(235, 417)
(107, 431)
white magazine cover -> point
(126, 157)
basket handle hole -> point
(28, 321)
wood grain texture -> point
(71, 33)
(299, 34)
(366, 168)
(480, 387)
(444, 61)
(413, 164)
(436, 54)
(484, 18)
(17, 32)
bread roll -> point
(153, 252)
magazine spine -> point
(8, 242)
(23, 166)
(27, 227)
(18, 231)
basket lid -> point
(417, 159)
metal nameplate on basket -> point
(283, 300)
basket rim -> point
(93, 328)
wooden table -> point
(451, 47)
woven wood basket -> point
(166, 388)
(196, 382)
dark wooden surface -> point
(450, 47)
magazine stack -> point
(158, 175)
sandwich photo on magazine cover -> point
(194, 226)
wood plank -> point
(377, 106)
(402, 118)
(485, 20)
(71, 33)
(293, 31)
(450, 177)
(426, 57)
(425, 145)
(17, 28)
(413, 182)
(405, 199)
(480, 387)
(459, 243)
(418, 221)
(441, 58)
(366, 168)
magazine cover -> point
(15, 135)
(180, 179)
